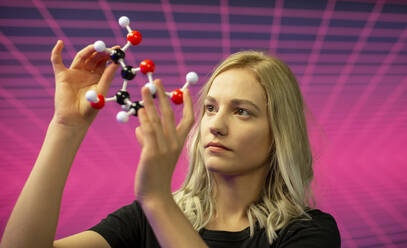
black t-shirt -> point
(128, 227)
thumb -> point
(139, 136)
(56, 57)
(187, 120)
(106, 79)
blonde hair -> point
(287, 192)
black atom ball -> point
(121, 95)
(127, 73)
(117, 54)
(136, 106)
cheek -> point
(202, 128)
(254, 141)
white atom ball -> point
(91, 96)
(99, 46)
(152, 88)
(192, 77)
(122, 117)
(124, 21)
(125, 107)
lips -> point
(215, 144)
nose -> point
(218, 125)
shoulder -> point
(124, 227)
(125, 215)
(128, 215)
(320, 231)
(134, 209)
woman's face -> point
(234, 130)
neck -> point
(233, 196)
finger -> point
(167, 114)
(149, 138)
(187, 120)
(139, 136)
(106, 78)
(92, 62)
(101, 65)
(154, 119)
(81, 57)
(56, 57)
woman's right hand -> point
(87, 71)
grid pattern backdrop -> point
(349, 58)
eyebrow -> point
(236, 101)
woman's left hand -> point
(162, 142)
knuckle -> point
(155, 122)
(163, 152)
(174, 146)
(170, 115)
(148, 129)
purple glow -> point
(350, 64)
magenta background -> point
(349, 57)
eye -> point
(209, 108)
(242, 112)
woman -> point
(250, 172)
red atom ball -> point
(147, 66)
(134, 37)
(99, 104)
(176, 96)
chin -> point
(230, 168)
(225, 169)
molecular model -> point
(146, 67)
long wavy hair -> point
(287, 193)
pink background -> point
(349, 57)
